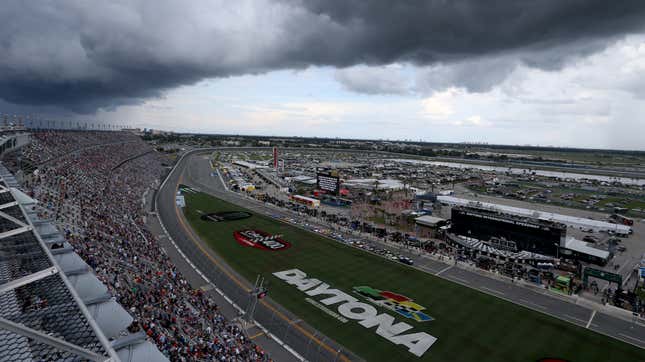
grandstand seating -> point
(96, 202)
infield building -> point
(515, 233)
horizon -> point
(410, 141)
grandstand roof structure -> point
(52, 306)
(476, 244)
(572, 221)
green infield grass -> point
(469, 325)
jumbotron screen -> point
(327, 182)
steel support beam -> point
(13, 232)
(16, 283)
(50, 341)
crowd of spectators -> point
(49, 145)
(100, 209)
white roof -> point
(248, 164)
(428, 220)
(542, 215)
(301, 178)
(584, 248)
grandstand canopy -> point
(572, 221)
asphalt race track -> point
(294, 332)
(194, 170)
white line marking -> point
(633, 338)
(443, 270)
(460, 279)
(574, 318)
(593, 314)
(492, 290)
(533, 304)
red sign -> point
(261, 240)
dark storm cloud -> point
(86, 55)
(385, 31)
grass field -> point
(469, 325)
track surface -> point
(288, 328)
(194, 170)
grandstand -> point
(52, 307)
(117, 295)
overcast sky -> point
(547, 72)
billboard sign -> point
(261, 240)
(328, 183)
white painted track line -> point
(574, 318)
(462, 280)
(443, 270)
(593, 314)
(492, 290)
(535, 305)
(630, 337)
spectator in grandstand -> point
(99, 207)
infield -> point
(468, 325)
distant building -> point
(249, 165)
(135, 131)
(158, 132)
(536, 236)
(516, 234)
(230, 143)
(428, 226)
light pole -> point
(557, 250)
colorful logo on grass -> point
(261, 240)
(395, 302)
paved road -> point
(197, 173)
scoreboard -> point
(328, 183)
